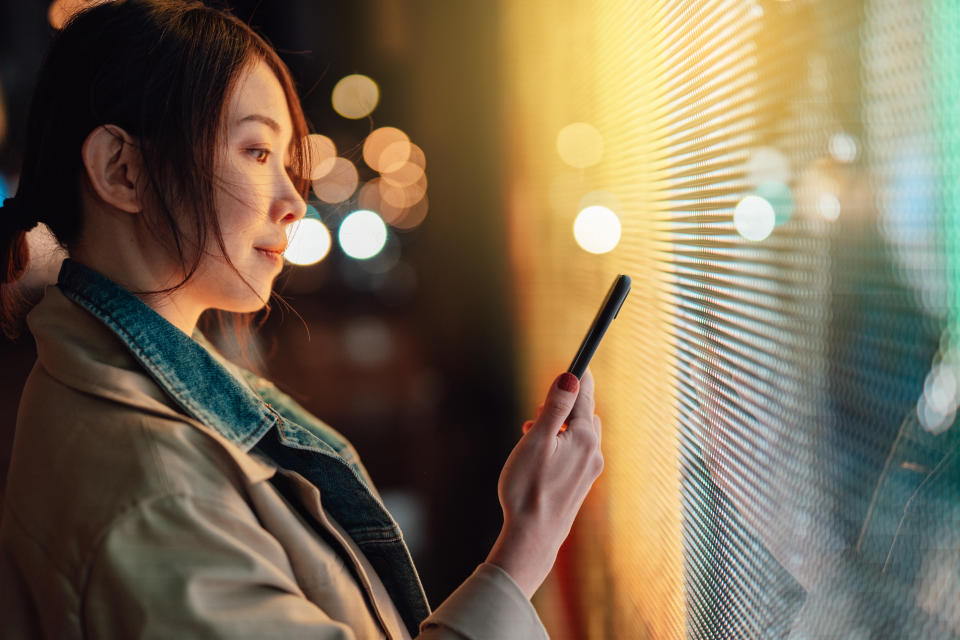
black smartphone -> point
(608, 311)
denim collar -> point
(202, 387)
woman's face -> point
(254, 195)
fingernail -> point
(568, 382)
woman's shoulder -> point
(80, 462)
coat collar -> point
(178, 363)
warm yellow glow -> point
(355, 96)
(843, 147)
(603, 63)
(597, 229)
(362, 234)
(339, 183)
(309, 242)
(369, 198)
(379, 141)
(580, 145)
(402, 163)
(321, 155)
(754, 218)
(404, 175)
(403, 196)
(767, 164)
(828, 205)
(412, 216)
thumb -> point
(558, 404)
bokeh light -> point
(780, 198)
(403, 196)
(402, 163)
(412, 216)
(321, 153)
(580, 145)
(369, 198)
(404, 218)
(362, 234)
(368, 342)
(602, 198)
(597, 229)
(378, 141)
(754, 218)
(355, 96)
(308, 242)
(339, 183)
(767, 164)
(843, 147)
(828, 206)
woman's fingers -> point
(557, 406)
(583, 408)
(583, 405)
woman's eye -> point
(260, 155)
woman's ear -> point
(114, 166)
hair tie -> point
(17, 217)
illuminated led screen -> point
(781, 180)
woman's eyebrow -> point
(267, 120)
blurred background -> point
(780, 178)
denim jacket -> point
(248, 414)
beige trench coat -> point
(125, 518)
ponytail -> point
(15, 220)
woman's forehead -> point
(258, 97)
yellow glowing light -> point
(767, 164)
(369, 198)
(400, 153)
(321, 153)
(402, 163)
(580, 145)
(379, 141)
(829, 206)
(602, 198)
(597, 229)
(403, 196)
(412, 216)
(362, 234)
(339, 183)
(754, 218)
(405, 175)
(394, 156)
(843, 147)
(355, 96)
(308, 242)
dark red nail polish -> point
(568, 382)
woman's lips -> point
(274, 256)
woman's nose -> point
(292, 206)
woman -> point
(155, 488)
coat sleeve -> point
(488, 605)
(184, 567)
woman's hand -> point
(545, 480)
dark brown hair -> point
(161, 70)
